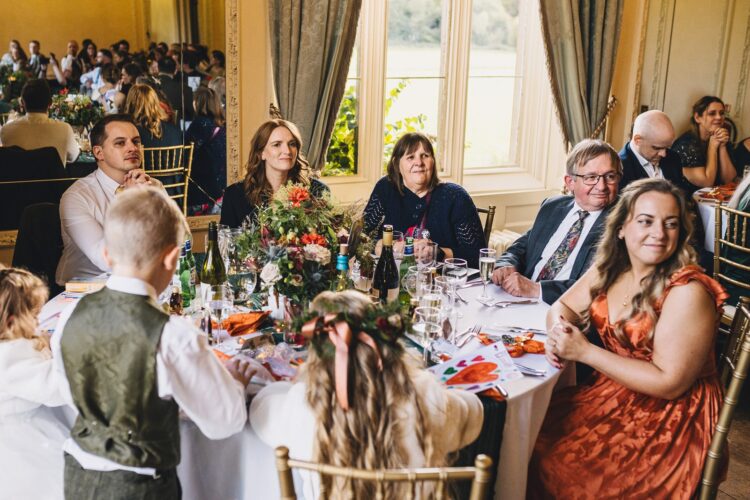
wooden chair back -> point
(490, 211)
(480, 474)
(172, 166)
(736, 237)
(735, 363)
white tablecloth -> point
(242, 467)
(707, 211)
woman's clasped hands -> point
(565, 341)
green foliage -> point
(342, 150)
(11, 82)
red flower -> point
(297, 195)
(64, 91)
(313, 239)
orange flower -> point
(313, 239)
(297, 195)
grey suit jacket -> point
(526, 251)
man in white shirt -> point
(128, 367)
(116, 144)
(92, 81)
(35, 129)
(648, 154)
(561, 244)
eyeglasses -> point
(593, 179)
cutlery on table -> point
(466, 336)
(507, 303)
(527, 370)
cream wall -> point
(54, 23)
(673, 52)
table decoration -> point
(11, 83)
(77, 110)
(479, 370)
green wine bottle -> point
(385, 281)
(183, 271)
(192, 267)
(408, 259)
(342, 281)
(213, 271)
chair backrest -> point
(28, 177)
(736, 361)
(490, 211)
(39, 242)
(172, 166)
(731, 244)
(480, 474)
(4, 118)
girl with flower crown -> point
(31, 437)
(360, 402)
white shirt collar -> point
(577, 207)
(132, 285)
(108, 184)
(644, 162)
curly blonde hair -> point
(22, 296)
(143, 105)
(370, 435)
(612, 258)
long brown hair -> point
(143, 104)
(257, 188)
(206, 102)
(699, 107)
(22, 296)
(370, 434)
(612, 258)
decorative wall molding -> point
(639, 70)
(739, 101)
(725, 35)
(233, 91)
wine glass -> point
(456, 271)
(487, 259)
(426, 327)
(220, 303)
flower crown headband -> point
(332, 334)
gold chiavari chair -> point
(734, 362)
(480, 474)
(728, 246)
(172, 166)
(4, 118)
(490, 211)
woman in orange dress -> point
(642, 425)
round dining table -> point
(242, 466)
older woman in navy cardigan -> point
(412, 198)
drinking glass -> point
(398, 246)
(746, 172)
(456, 271)
(425, 253)
(487, 259)
(432, 296)
(224, 238)
(426, 328)
(220, 303)
(448, 311)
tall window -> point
(468, 73)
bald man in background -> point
(648, 153)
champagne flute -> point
(487, 259)
(221, 300)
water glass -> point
(425, 253)
(398, 246)
(224, 238)
(426, 328)
(431, 296)
(487, 259)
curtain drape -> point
(311, 47)
(580, 41)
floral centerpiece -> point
(294, 241)
(76, 110)
(11, 83)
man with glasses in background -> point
(561, 243)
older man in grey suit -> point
(561, 244)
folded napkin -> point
(242, 323)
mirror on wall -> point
(91, 54)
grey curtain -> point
(311, 47)
(580, 40)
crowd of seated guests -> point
(163, 79)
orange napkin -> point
(242, 323)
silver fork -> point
(503, 304)
(473, 333)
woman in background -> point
(209, 134)
(143, 105)
(31, 438)
(15, 57)
(642, 424)
(386, 413)
(275, 159)
(705, 150)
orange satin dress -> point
(603, 440)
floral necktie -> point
(560, 256)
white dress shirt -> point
(67, 62)
(653, 171)
(82, 209)
(37, 130)
(186, 371)
(559, 236)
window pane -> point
(494, 84)
(414, 70)
(342, 154)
